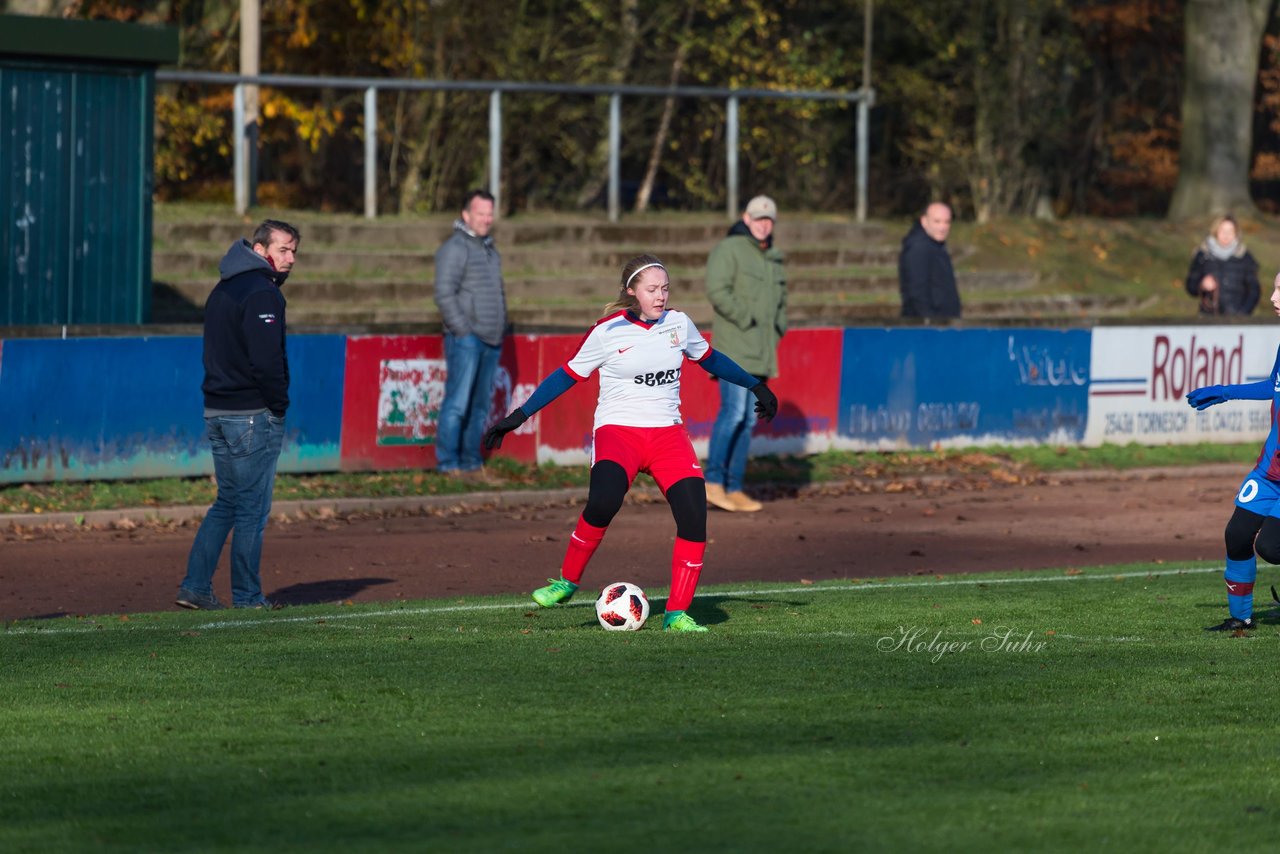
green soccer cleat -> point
(679, 621)
(554, 593)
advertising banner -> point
(1141, 376)
(391, 384)
(915, 388)
(393, 393)
(410, 392)
(562, 431)
(107, 408)
(113, 408)
(808, 390)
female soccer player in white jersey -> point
(639, 348)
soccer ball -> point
(622, 607)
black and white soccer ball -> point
(622, 607)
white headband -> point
(641, 269)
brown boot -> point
(481, 477)
(744, 503)
(716, 497)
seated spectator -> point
(1224, 275)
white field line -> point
(874, 586)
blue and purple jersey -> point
(1268, 464)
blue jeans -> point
(468, 393)
(731, 437)
(245, 451)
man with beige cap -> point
(748, 291)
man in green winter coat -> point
(748, 291)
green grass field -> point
(1041, 711)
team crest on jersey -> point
(675, 338)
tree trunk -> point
(664, 126)
(618, 74)
(426, 112)
(1224, 39)
(1010, 85)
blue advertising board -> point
(113, 408)
(913, 388)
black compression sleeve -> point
(608, 487)
(1241, 531)
(688, 500)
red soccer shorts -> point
(664, 452)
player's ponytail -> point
(626, 301)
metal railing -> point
(864, 98)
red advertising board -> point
(394, 386)
(808, 385)
(392, 392)
(808, 390)
(519, 373)
(564, 428)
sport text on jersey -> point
(657, 378)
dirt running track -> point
(856, 530)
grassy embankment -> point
(1143, 259)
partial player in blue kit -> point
(640, 348)
(1254, 528)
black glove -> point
(493, 436)
(766, 401)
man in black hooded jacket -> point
(246, 394)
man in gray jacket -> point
(473, 308)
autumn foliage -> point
(1003, 106)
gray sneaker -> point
(198, 601)
(263, 604)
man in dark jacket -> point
(925, 276)
(473, 308)
(246, 394)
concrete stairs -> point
(376, 276)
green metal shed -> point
(77, 103)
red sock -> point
(686, 566)
(582, 545)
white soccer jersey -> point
(639, 367)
